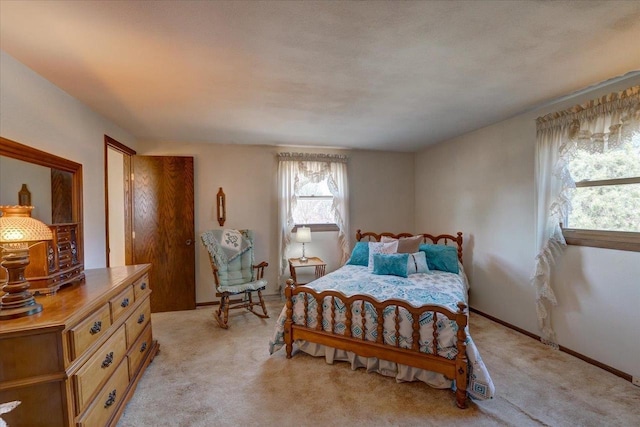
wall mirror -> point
(55, 187)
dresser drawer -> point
(139, 351)
(107, 400)
(137, 321)
(141, 287)
(120, 304)
(99, 367)
(89, 330)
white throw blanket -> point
(227, 244)
(7, 407)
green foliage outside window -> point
(606, 207)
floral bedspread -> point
(434, 288)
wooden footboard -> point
(456, 369)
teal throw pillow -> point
(441, 257)
(390, 264)
(360, 254)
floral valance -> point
(313, 157)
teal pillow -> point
(441, 257)
(390, 264)
(360, 254)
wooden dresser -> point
(77, 363)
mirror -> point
(54, 184)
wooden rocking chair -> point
(235, 275)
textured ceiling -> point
(378, 75)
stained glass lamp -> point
(18, 232)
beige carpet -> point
(206, 376)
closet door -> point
(163, 225)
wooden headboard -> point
(457, 239)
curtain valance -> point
(313, 157)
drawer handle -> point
(141, 318)
(143, 286)
(125, 302)
(97, 326)
(143, 347)
(108, 360)
(111, 400)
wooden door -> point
(163, 225)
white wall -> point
(35, 112)
(381, 194)
(482, 184)
(14, 173)
(115, 187)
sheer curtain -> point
(294, 169)
(608, 120)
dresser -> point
(77, 363)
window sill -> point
(621, 240)
(317, 227)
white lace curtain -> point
(609, 120)
(294, 170)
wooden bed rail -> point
(446, 238)
(455, 369)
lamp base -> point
(23, 310)
(17, 300)
(303, 259)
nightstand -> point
(316, 262)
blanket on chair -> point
(226, 244)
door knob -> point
(188, 242)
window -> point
(312, 191)
(605, 205)
(313, 206)
(587, 180)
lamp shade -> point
(17, 226)
(303, 235)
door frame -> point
(127, 153)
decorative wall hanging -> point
(24, 196)
(221, 207)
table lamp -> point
(18, 232)
(303, 235)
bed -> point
(424, 334)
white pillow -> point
(381, 248)
(417, 263)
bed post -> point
(459, 241)
(288, 323)
(462, 364)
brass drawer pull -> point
(125, 302)
(111, 400)
(108, 360)
(97, 326)
(143, 347)
(141, 318)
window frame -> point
(621, 240)
(329, 226)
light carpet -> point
(207, 376)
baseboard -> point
(589, 360)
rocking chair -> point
(232, 257)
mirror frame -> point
(29, 154)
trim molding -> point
(589, 360)
(621, 240)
